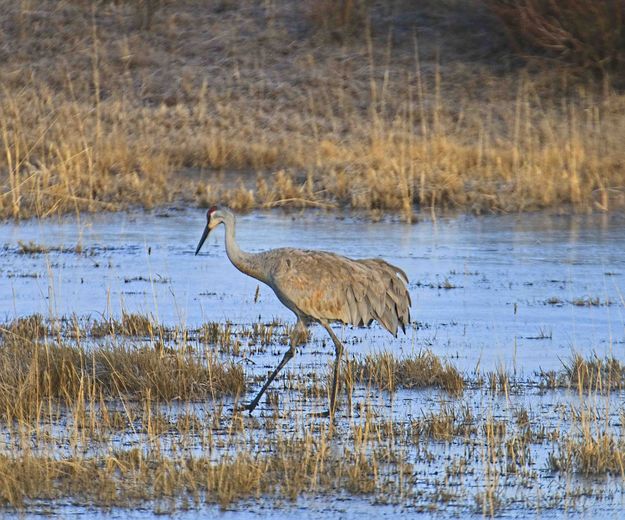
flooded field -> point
(125, 356)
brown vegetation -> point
(587, 374)
(589, 34)
(38, 367)
(423, 370)
(130, 478)
(445, 424)
(106, 105)
(595, 453)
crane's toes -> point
(319, 414)
(244, 408)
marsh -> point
(497, 400)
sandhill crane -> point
(320, 287)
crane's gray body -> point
(321, 287)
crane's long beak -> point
(203, 239)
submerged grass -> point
(32, 248)
(445, 424)
(133, 477)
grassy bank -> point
(264, 104)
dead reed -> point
(422, 370)
(372, 123)
(592, 374)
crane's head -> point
(214, 217)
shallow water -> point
(486, 291)
(520, 292)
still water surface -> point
(522, 291)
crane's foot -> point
(244, 408)
(319, 414)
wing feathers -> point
(325, 286)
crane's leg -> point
(299, 336)
(287, 356)
(338, 348)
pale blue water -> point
(504, 270)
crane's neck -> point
(247, 263)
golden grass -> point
(36, 368)
(130, 478)
(596, 453)
(131, 324)
(32, 248)
(587, 374)
(254, 117)
(63, 407)
(422, 370)
(445, 424)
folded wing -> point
(330, 287)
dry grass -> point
(32, 248)
(36, 367)
(339, 20)
(589, 34)
(589, 301)
(596, 445)
(596, 453)
(130, 478)
(499, 381)
(131, 324)
(591, 374)
(445, 424)
(63, 408)
(423, 370)
(100, 111)
(229, 338)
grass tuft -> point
(588, 374)
(423, 370)
(33, 371)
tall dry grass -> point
(100, 113)
(586, 34)
(66, 408)
(421, 370)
